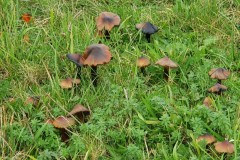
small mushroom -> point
(68, 83)
(34, 100)
(80, 111)
(94, 55)
(105, 22)
(148, 29)
(62, 123)
(207, 137)
(167, 63)
(26, 39)
(26, 17)
(224, 147)
(219, 74)
(217, 88)
(78, 60)
(142, 63)
(207, 102)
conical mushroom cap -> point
(217, 88)
(76, 58)
(147, 27)
(207, 137)
(107, 20)
(143, 62)
(63, 122)
(219, 73)
(96, 54)
(224, 147)
(166, 62)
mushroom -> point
(217, 88)
(80, 111)
(68, 83)
(207, 137)
(147, 28)
(34, 100)
(94, 55)
(62, 123)
(76, 59)
(167, 63)
(207, 102)
(219, 74)
(105, 22)
(224, 147)
(26, 17)
(142, 63)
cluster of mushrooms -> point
(220, 147)
(64, 123)
(99, 54)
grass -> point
(133, 117)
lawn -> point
(132, 115)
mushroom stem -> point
(143, 70)
(94, 75)
(64, 135)
(79, 72)
(166, 73)
(219, 81)
(107, 34)
(148, 37)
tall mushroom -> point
(219, 74)
(94, 55)
(62, 123)
(76, 59)
(105, 22)
(147, 28)
(217, 88)
(142, 63)
(167, 63)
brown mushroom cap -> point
(34, 100)
(147, 27)
(219, 73)
(207, 137)
(143, 62)
(224, 147)
(166, 62)
(96, 54)
(68, 83)
(79, 108)
(107, 20)
(63, 122)
(207, 102)
(217, 88)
